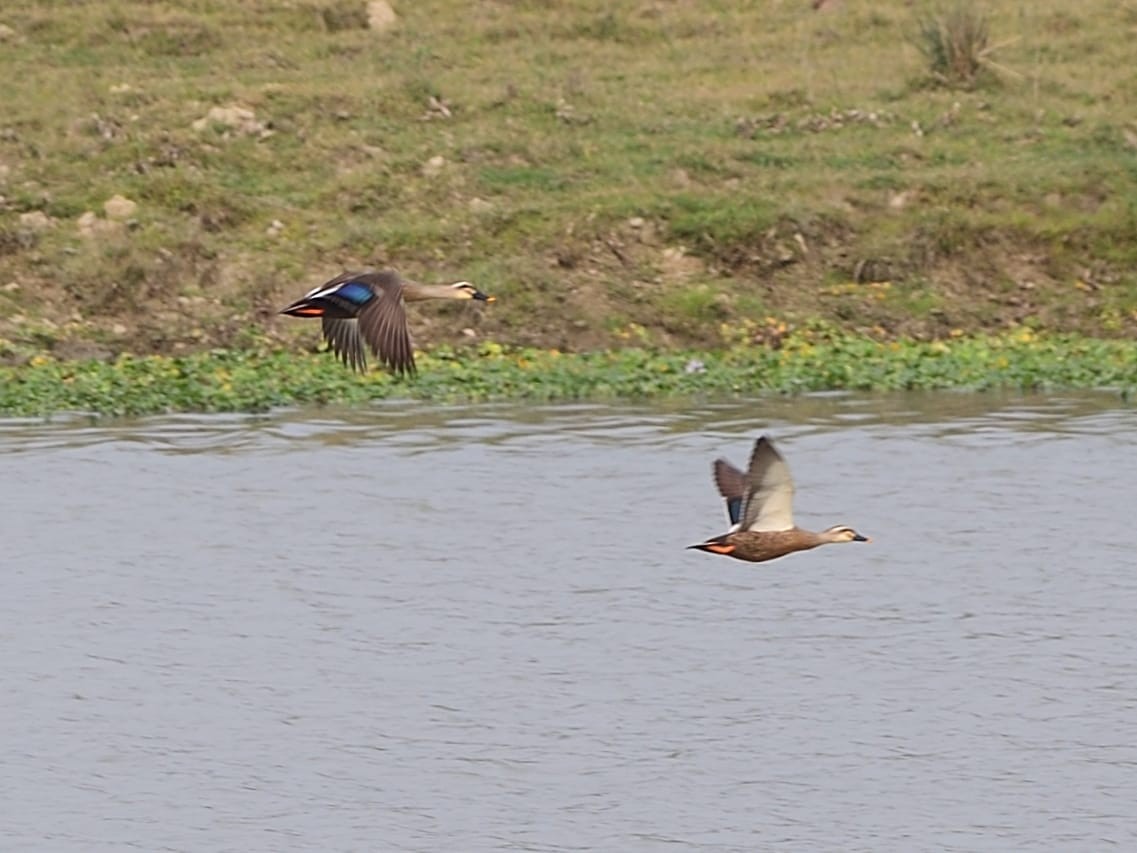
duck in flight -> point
(759, 503)
(359, 307)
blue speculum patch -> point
(355, 292)
(734, 510)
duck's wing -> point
(381, 323)
(731, 484)
(769, 501)
(344, 339)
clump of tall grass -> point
(956, 42)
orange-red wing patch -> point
(312, 311)
(720, 549)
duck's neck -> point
(810, 539)
(413, 291)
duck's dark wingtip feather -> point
(729, 480)
(401, 368)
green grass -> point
(781, 148)
(812, 360)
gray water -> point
(472, 629)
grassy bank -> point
(599, 166)
(246, 381)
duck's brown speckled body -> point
(759, 502)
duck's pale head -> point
(844, 533)
(465, 290)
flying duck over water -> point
(759, 503)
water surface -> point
(424, 629)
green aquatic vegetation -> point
(811, 360)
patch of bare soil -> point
(629, 284)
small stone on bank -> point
(434, 165)
(240, 119)
(380, 15)
(119, 207)
(36, 220)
